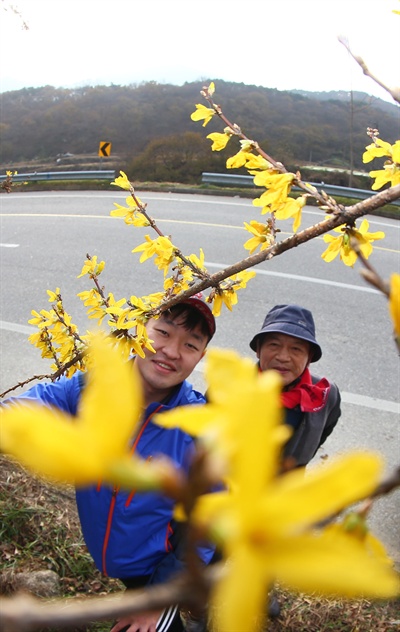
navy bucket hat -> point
(292, 320)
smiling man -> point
(286, 343)
(132, 536)
(180, 338)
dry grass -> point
(301, 613)
(40, 531)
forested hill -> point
(295, 128)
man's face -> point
(178, 351)
(286, 354)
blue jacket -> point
(130, 534)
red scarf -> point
(310, 397)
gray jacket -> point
(314, 428)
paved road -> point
(44, 240)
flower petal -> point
(240, 598)
(333, 564)
(302, 499)
(113, 392)
(47, 441)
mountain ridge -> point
(295, 127)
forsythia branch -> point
(348, 215)
(278, 166)
(394, 92)
(47, 376)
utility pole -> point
(351, 145)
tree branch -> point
(24, 613)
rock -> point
(38, 583)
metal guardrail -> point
(247, 181)
(226, 179)
(61, 175)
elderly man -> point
(286, 343)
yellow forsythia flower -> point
(122, 181)
(378, 149)
(389, 174)
(391, 169)
(211, 89)
(198, 261)
(220, 141)
(131, 213)
(238, 160)
(274, 181)
(114, 307)
(53, 296)
(162, 248)
(202, 113)
(91, 267)
(291, 208)
(241, 278)
(278, 187)
(227, 295)
(257, 162)
(342, 245)
(261, 236)
(394, 302)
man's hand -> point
(145, 622)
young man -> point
(130, 535)
(287, 344)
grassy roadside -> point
(40, 531)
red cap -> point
(197, 301)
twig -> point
(152, 223)
(48, 376)
(394, 92)
(369, 273)
(388, 485)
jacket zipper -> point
(108, 528)
(114, 495)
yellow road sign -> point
(104, 148)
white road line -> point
(350, 398)
(160, 221)
(347, 398)
(20, 329)
(179, 198)
(371, 402)
(9, 245)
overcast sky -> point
(284, 44)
